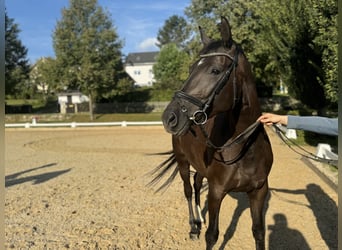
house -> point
(36, 76)
(69, 101)
(139, 66)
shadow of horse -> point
(11, 180)
(242, 205)
(324, 209)
(281, 236)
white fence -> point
(80, 124)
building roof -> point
(69, 92)
(141, 57)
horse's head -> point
(212, 86)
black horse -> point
(212, 120)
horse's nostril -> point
(172, 121)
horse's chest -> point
(235, 177)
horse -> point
(214, 127)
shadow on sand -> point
(281, 236)
(13, 179)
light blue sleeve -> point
(317, 124)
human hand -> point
(270, 119)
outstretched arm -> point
(317, 124)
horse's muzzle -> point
(170, 122)
(175, 121)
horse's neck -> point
(247, 116)
(244, 115)
(228, 125)
(249, 110)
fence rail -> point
(81, 124)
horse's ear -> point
(205, 39)
(226, 33)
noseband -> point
(200, 116)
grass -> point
(118, 117)
(84, 117)
(36, 103)
(333, 168)
(46, 112)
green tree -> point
(171, 68)
(45, 76)
(175, 30)
(245, 29)
(293, 34)
(87, 48)
(324, 22)
(16, 64)
(293, 41)
(201, 13)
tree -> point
(292, 41)
(16, 64)
(87, 48)
(171, 68)
(324, 21)
(245, 28)
(292, 36)
(175, 30)
(45, 76)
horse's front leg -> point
(198, 180)
(215, 197)
(184, 170)
(257, 201)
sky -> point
(136, 21)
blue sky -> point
(137, 22)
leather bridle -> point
(200, 116)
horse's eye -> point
(215, 71)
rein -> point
(305, 153)
(244, 136)
(237, 140)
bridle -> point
(200, 116)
